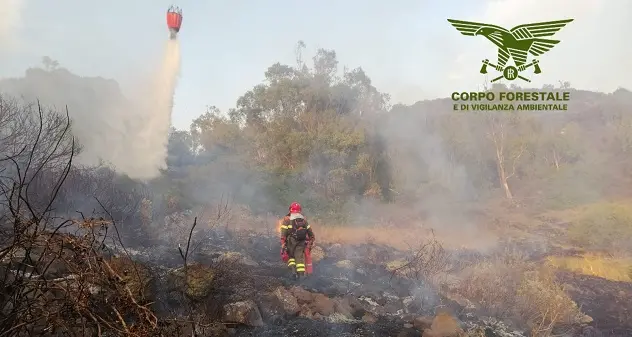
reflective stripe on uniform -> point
(283, 227)
(300, 267)
(288, 226)
(307, 227)
(291, 262)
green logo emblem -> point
(516, 43)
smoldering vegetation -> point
(429, 222)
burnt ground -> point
(362, 281)
(318, 328)
(609, 303)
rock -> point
(270, 307)
(322, 305)
(585, 319)
(342, 307)
(344, 264)
(318, 253)
(338, 318)
(301, 295)
(236, 257)
(422, 322)
(244, 312)
(444, 325)
(287, 300)
(369, 318)
(306, 311)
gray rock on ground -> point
(287, 300)
(244, 312)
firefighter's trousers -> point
(296, 252)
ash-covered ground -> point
(219, 282)
(362, 290)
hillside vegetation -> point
(539, 195)
(327, 137)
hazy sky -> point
(407, 47)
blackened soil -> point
(609, 303)
(317, 328)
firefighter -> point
(296, 234)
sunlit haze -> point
(407, 47)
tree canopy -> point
(324, 135)
(330, 138)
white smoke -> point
(10, 18)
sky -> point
(407, 47)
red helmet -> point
(295, 207)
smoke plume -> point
(10, 11)
(129, 132)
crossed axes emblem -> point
(510, 72)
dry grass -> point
(576, 213)
(514, 288)
(401, 237)
(614, 269)
(545, 304)
(393, 237)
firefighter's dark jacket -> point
(287, 229)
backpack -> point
(300, 229)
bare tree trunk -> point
(556, 160)
(497, 135)
(502, 173)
